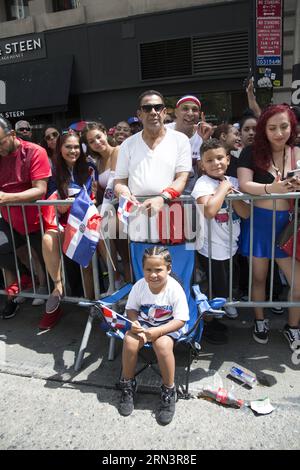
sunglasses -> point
(52, 134)
(22, 129)
(147, 108)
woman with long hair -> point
(94, 136)
(72, 173)
(262, 169)
(50, 139)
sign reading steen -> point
(23, 48)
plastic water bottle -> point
(243, 376)
(221, 395)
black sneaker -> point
(214, 335)
(261, 331)
(10, 309)
(126, 405)
(293, 337)
(166, 409)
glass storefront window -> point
(223, 106)
(16, 9)
(59, 5)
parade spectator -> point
(168, 119)
(229, 136)
(187, 114)
(248, 124)
(210, 190)
(154, 162)
(23, 130)
(72, 172)
(94, 136)
(262, 169)
(49, 141)
(157, 291)
(121, 132)
(24, 171)
(135, 124)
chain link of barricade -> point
(180, 221)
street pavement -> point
(45, 404)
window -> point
(59, 5)
(16, 9)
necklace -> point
(283, 165)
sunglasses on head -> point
(52, 134)
(22, 129)
(147, 108)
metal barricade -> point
(191, 222)
(32, 294)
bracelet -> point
(173, 193)
(266, 189)
(165, 197)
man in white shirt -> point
(154, 162)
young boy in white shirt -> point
(211, 190)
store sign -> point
(269, 43)
(21, 49)
(12, 114)
(295, 99)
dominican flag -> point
(125, 209)
(116, 320)
(49, 212)
(82, 231)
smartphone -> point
(292, 173)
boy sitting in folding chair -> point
(158, 307)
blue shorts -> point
(262, 233)
(175, 335)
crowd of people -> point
(161, 156)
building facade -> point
(64, 60)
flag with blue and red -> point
(82, 231)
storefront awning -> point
(36, 87)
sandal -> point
(26, 283)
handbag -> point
(286, 239)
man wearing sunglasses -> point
(24, 171)
(23, 130)
(156, 161)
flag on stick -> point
(82, 231)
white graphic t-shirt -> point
(158, 309)
(220, 224)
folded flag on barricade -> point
(82, 231)
(126, 208)
(49, 212)
(115, 319)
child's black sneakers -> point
(126, 405)
(166, 409)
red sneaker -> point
(49, 320)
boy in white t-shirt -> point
(158, 308)
(210, 190)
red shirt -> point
(17, 171)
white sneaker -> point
(231, 312)
(40, 290)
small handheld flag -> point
(115, 319)
(125, 209)
(82, 231)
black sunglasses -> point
(52, 134)
(147, 108)
(22, 129)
